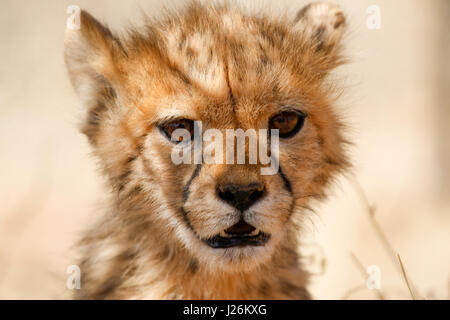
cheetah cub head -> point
(181, 86)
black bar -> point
(229, 309)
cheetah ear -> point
(324, 23)
(91, 55)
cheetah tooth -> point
(223, 234)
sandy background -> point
(397, 102)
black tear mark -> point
(186, 190)
(286, 181)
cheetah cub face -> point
(213, 69)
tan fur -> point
(230, 70)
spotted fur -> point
(228, 69)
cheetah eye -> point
(169, 128)
(289, 123)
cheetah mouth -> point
(241, 234)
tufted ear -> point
(323, 23)
(91, 54)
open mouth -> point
(240, 235)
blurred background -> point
(396, 102)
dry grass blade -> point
(379, 231)
(362, 270)
(371, 212)
(358, 264)
(406, 278)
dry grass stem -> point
(406, 278)
(362, 269)
(371, 210)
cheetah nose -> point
(241, 197)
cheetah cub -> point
(206, 230)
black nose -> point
(241, 197)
